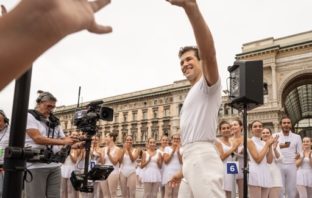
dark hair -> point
(237, 119)
(175, 134)
(253, 122)
(164, 136)
(127, 136)
(268, 129)
(284, 117)
(6, 120)
(150, 139)
(189, 48)
(222, 122)
(45, 96)
(113, 135)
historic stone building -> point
(148, 113)
(287, 63)
(287, 71)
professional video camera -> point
(86, 119)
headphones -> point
(6, 120)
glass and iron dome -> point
(297, 100)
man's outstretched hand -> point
(71, 15)
(182, 3)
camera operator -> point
(4, 141)
(44, 132)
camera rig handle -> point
(85, 187)
(13, 154)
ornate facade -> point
(148, 113)
(153, 112)
(287, 70)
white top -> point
(151, 172)
(67, 167)
(107, 161)
(33, 123)
(259, 144)
(275, 170)
(4, 141)
(172, 167)
(228, 178)
(199, 114)
(162, 154)
(304, 172)
(259, 173)
(294, 147)
(127, 167)
(226, 148)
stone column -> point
(274, 84)
(275, 125)
(139, 133)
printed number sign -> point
(92, 164)
(232, 167)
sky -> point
(141, 53)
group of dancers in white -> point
(279, 164)
(152, 167)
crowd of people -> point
(150, 168)
(153, 168)
(279, 164)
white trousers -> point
(202, 170)
(289, 178)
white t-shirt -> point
(33, 123)
(4, 141)
(295, 147)
(199, 114)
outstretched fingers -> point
(100, 29)
(97, 28)
(3, 10)
(176, 2)
(98, 4)
(181, 3)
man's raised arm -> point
(203, 37)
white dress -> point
(304, 173)
(107, 161)
(151, 172)
(259, 174)
(67, 168)
(228, 178)
(170, 169)
(127, 166)
(162, 166)
(275, 170)
(240, 159)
